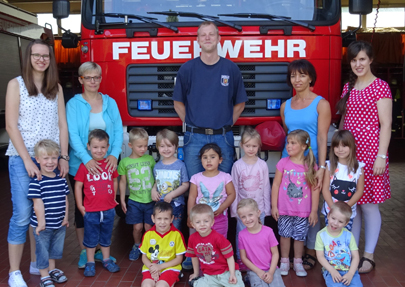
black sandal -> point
(306, 262)
(57, 276)
(369, 261)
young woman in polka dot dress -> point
(35, 110)
(366, 106)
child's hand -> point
(168, 198)
(232, 279)
(313, 218)
(219, 211)
(192, 276)
(65, 222)
(124, 207)
(154, 268)
(261, 274)
(347, 278)
(268, 278)
(155, 195)
(82, 210)
(336, 276)
(275, 214)
(39, 228)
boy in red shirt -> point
(212, 250)
(99, 203)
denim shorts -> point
(138, 212)
(49, 245)
(193, 142)
(98, 227)
(356, 281)
(22, 206)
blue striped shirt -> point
(53, 193)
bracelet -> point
(382, 156)
(322, 166)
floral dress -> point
(362, 121)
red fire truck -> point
(141, 44)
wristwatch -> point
(322, 166)
(382, 156)
(65, 157)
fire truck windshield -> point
(316, 12)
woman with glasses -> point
(35, 110)
(85, 112)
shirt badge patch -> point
(171, 243)
(152, 241)
(225, 80)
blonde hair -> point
(201, 209)
(249, 202)
(46, 146)
(89, 66)
(207, 23)
(137, 134)
(344, 138)
(304, 139)
(250, 133)
(343, 208)
(171, 136)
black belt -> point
(208, 131)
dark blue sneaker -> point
(134, 253)
(90, 269)
(187, 264)
(111, 266)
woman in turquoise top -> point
(309, 112)
(85, 112)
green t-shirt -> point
(140, 180)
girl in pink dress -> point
(366, 106)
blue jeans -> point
(49, 245)
(193, 142)
(178, 212)
(98, 227)
(22, 206)
(356, 282)
(239, 227)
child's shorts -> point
(219, 280)
(256, 281)
(98, 227)
(49, 245)
(169, 276)
(356, 281)
(138, 212)
(294, 227)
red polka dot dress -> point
(363, 122)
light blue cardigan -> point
(78, 120)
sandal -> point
(309, 262)
(369, 261)
(57, 276)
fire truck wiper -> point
(137, 17)
(199, 16)
(270, 17)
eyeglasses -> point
(90, 79)
(46, 57)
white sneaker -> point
(34, 270)
(299, 269)
(15, 279)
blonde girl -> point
(295, 205)
(262, 257)
(250, 176)
(344, 175)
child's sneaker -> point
(90, 269)
(298, 268)
(99, 257)
(15, 279)
(284, 266)
(57, 276)
(82, 259)
(111, 266)
(46, 282)
(187, 264)
(134, 253)
(242, 266)
(33, 269)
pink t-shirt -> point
(258, 253)
(251, 181)
(294, 195)
(211, 190)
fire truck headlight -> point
(85, 49)
(144, 105)
(273, 104)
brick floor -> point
(389, 255)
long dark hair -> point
(50, 82)
(352, 51)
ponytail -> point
(309, 163)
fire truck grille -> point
(155, 83)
